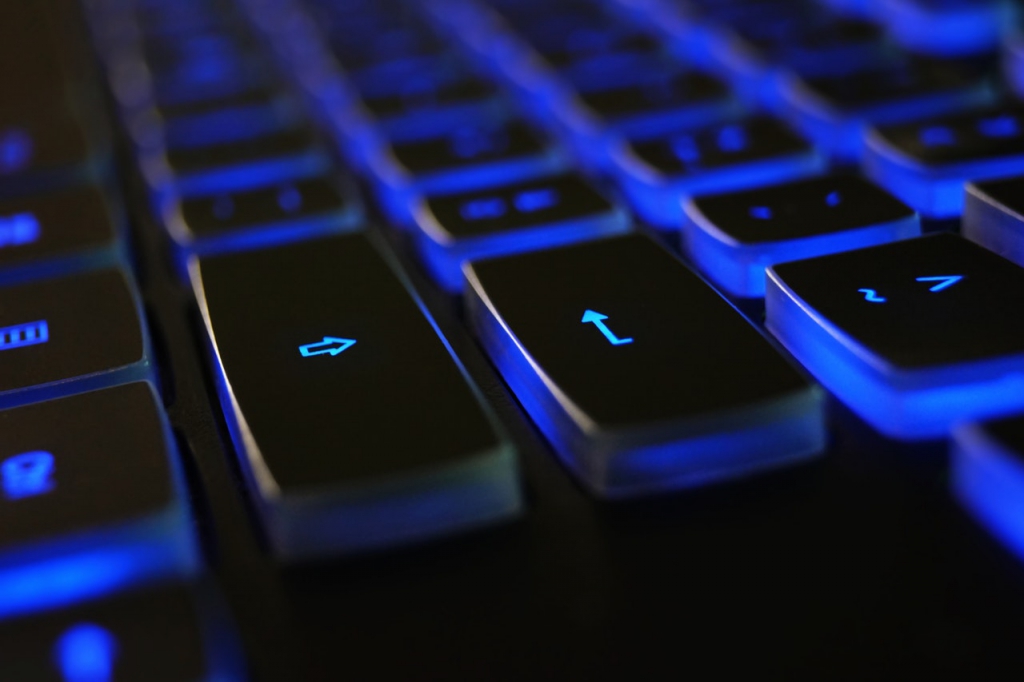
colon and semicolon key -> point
(913, 335)
(633, 395)
(361, 429)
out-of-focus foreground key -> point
(641, 376)
(354, 423)
(92, 497)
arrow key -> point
(912, 335)
(633, 395)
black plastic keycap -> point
(981, 136)
(913, 334)
(41, 144)
(414, 100)
(650, 96)
(155, 636)
(467, 147)
(994, 216)
(92, 481)
(356, 426)
(640, 374)
(66, 335)
(64, 224)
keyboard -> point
(510, 339)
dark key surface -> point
(420, 100)
(107, 464)
(54, 225)
(802, 208)
(336, 333)
(522, 205)
(641, 361)
(1009, 432)
(286, 144)
(681, 90)
(468, 146)
(921, 323)
(986, 135)
(302, 200)
(153, 636)
(90, 323)
(39, 140)
(719, 146)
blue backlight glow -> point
(16, 150)
(27, 474)
(903, 404)
(944, 282)
(19, 229)
(533, 200)
(21, 335)
(871, 296)
(483, 209)
(330, 345)
(86, 653)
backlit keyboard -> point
(510, 339)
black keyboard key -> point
(994, 216)
(237, 164)
(912, 335)
(93, 499)
(658, 174)
(641, 376)
(42, 146)
(835, 111)
(987, 462)
(469, 158)
(455, 228)
(68, 335)
(57, 232)
(734, 237)
(263, 216)
(926, 164)
(432, 107)
(162, 635)
(355, 425)
(948, 28)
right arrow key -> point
(641, 376)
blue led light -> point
(483, 209)
(330, 345)
(289, 199)
(944, 282)
(16, 150)
(86, 653)
(685, 148)
(19, 229)
(871, 296)
(904, 404)
(937, 136)
(732, 138)
(533, 200)
(597, 319)
(27, 474)
(999, 126)
(760, 212)
(833, 199)
(21, 335)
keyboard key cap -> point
(987, 464)
(42, 146)
(68, 335)
(93, 506)
(734, 237)
(236, 165)
(912, 335)
(834, 112)
(926, 164)
(417, 454)
(599, 343)
(469, 158)
(947, 28)
(994, 216)
(162, 635)
(57, 232)
(657, 175)
(456, 228)
(263, 216)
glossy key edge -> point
(662, 457)
(903, 404)
(990, 223)
(68, 570)
(315, 525)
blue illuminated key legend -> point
(27, 475)
(328, 346)
(19, 229)
(597, 319)
(27, 334)
(86, 653)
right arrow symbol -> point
(597, 319)
(329, 346)
(944, 281)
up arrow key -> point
(329, 346)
